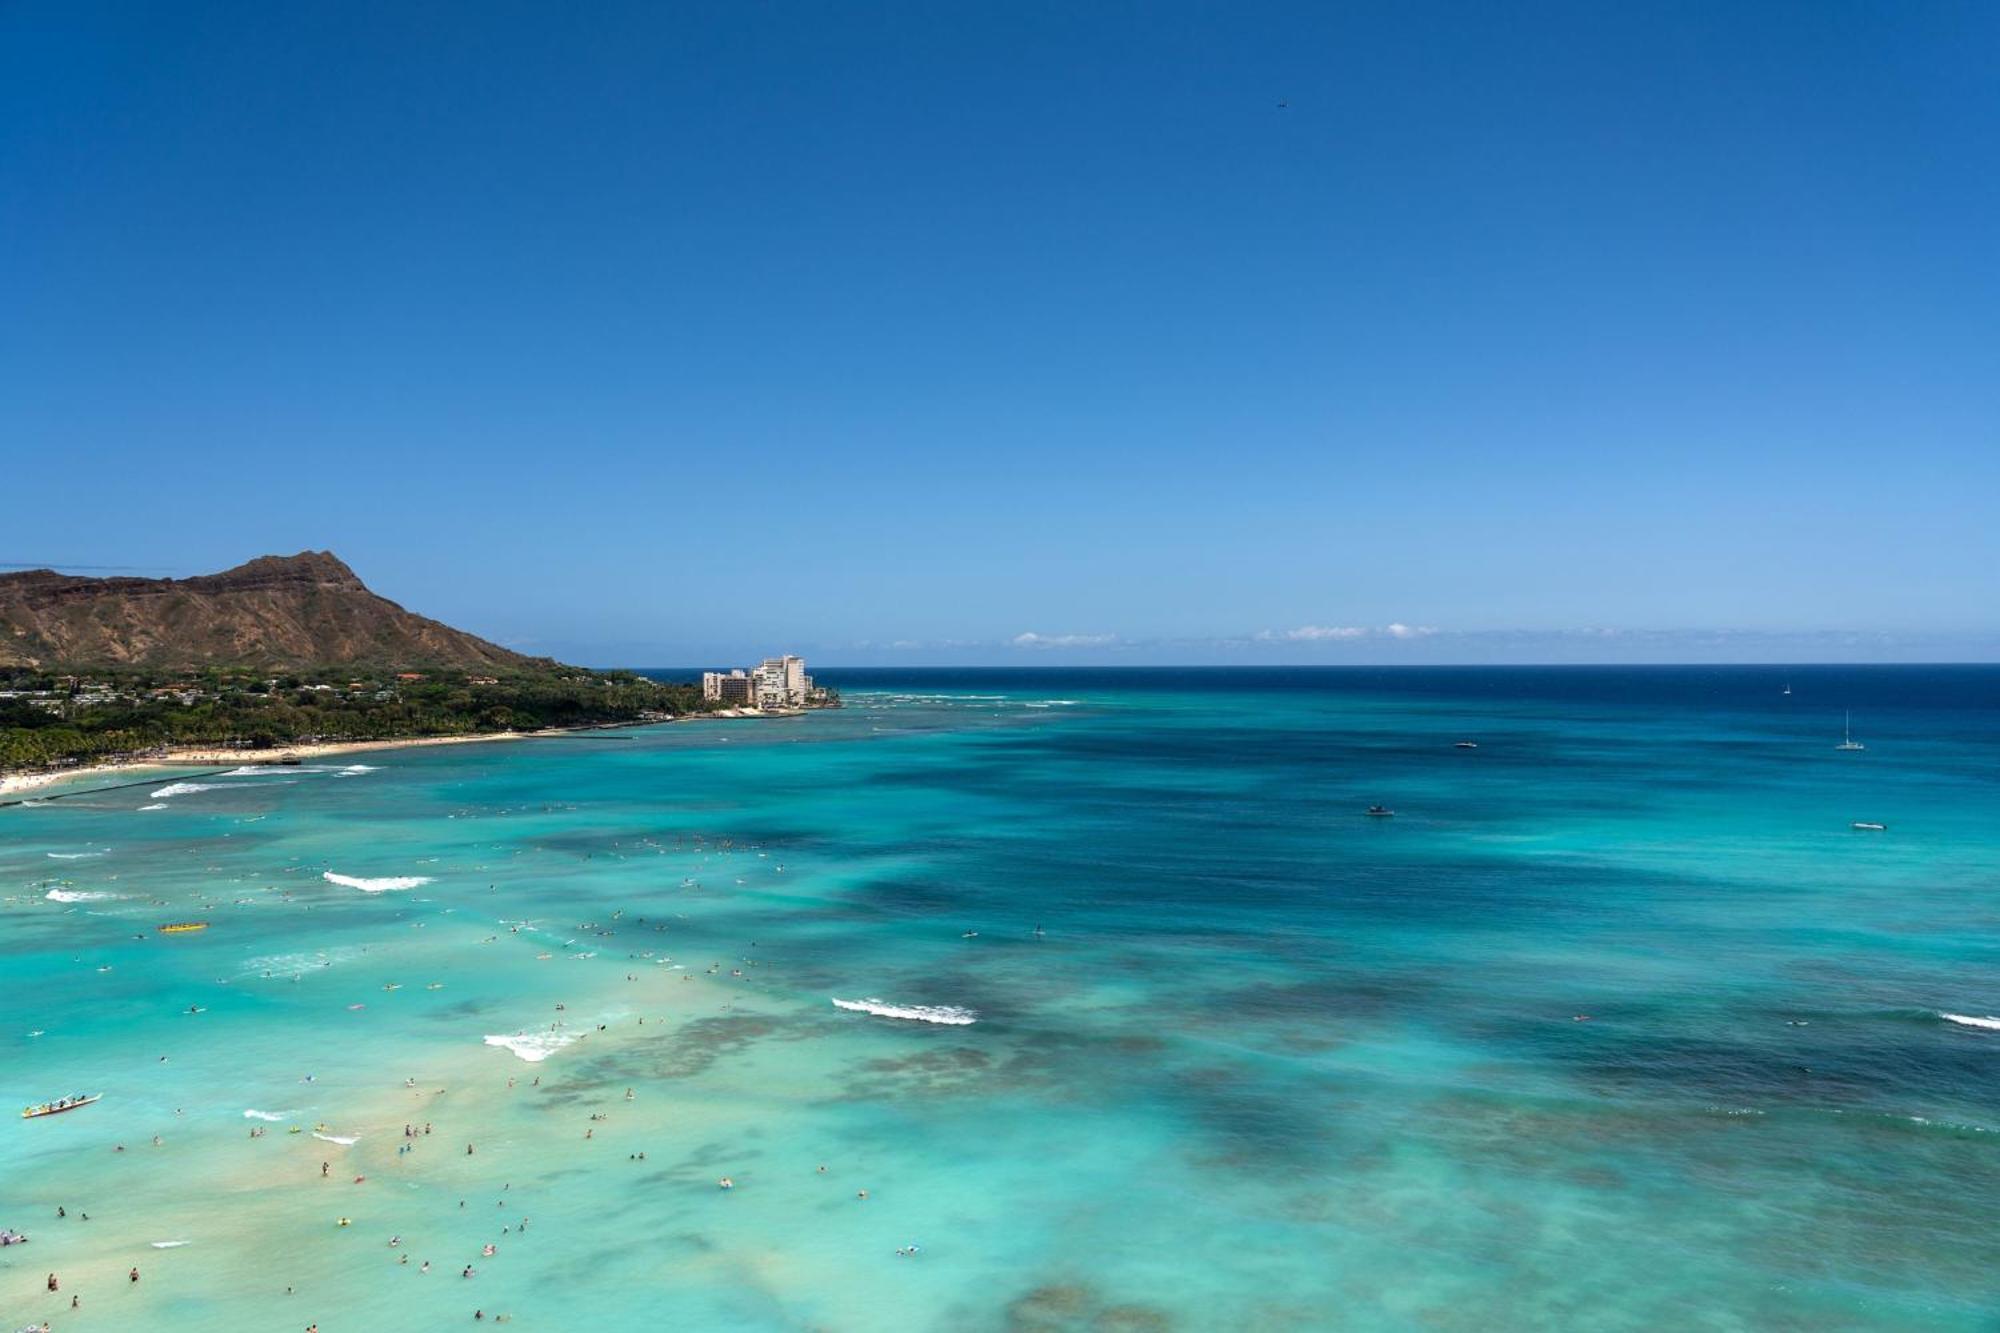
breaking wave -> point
(1968, 1020)
(533, 1047)
(76, 896)
(183, 789)
(263, 1115)
(916, 1013)
(382, 885)
(344, 1140)
(158, 806)
(71, 856)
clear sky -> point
(1016, 332)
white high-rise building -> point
(781, 682)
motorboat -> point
(1380, 812)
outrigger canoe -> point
(59, 1105)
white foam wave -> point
(534, 1047)
(263, 1115)
(183, 789)
(916, 1013)
(159, 806)
(356, 770)
(190, 788)
(344, 1140)
(1973, 1020)
(168, 1244)
(76, 896)
(71, 856)
(382, 885)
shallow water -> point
(1616, 1024)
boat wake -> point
(1972, 1020)
(533, 1047)
(915, 1013)
(382, 885)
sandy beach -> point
(198, 756)
(201, 755)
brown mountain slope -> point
(303, 610)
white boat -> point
(1847, 741)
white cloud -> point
(1337, 633)
(1030, 639)
(1314, 633)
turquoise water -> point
(1617, 1024)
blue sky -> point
(1025, 332)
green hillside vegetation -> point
(49, 719)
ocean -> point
(1040, 1000)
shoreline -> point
(200, 756)
(196, 756)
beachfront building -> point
(732, 688)
(776, 682)
(782, 682)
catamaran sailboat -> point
(1847, 741)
